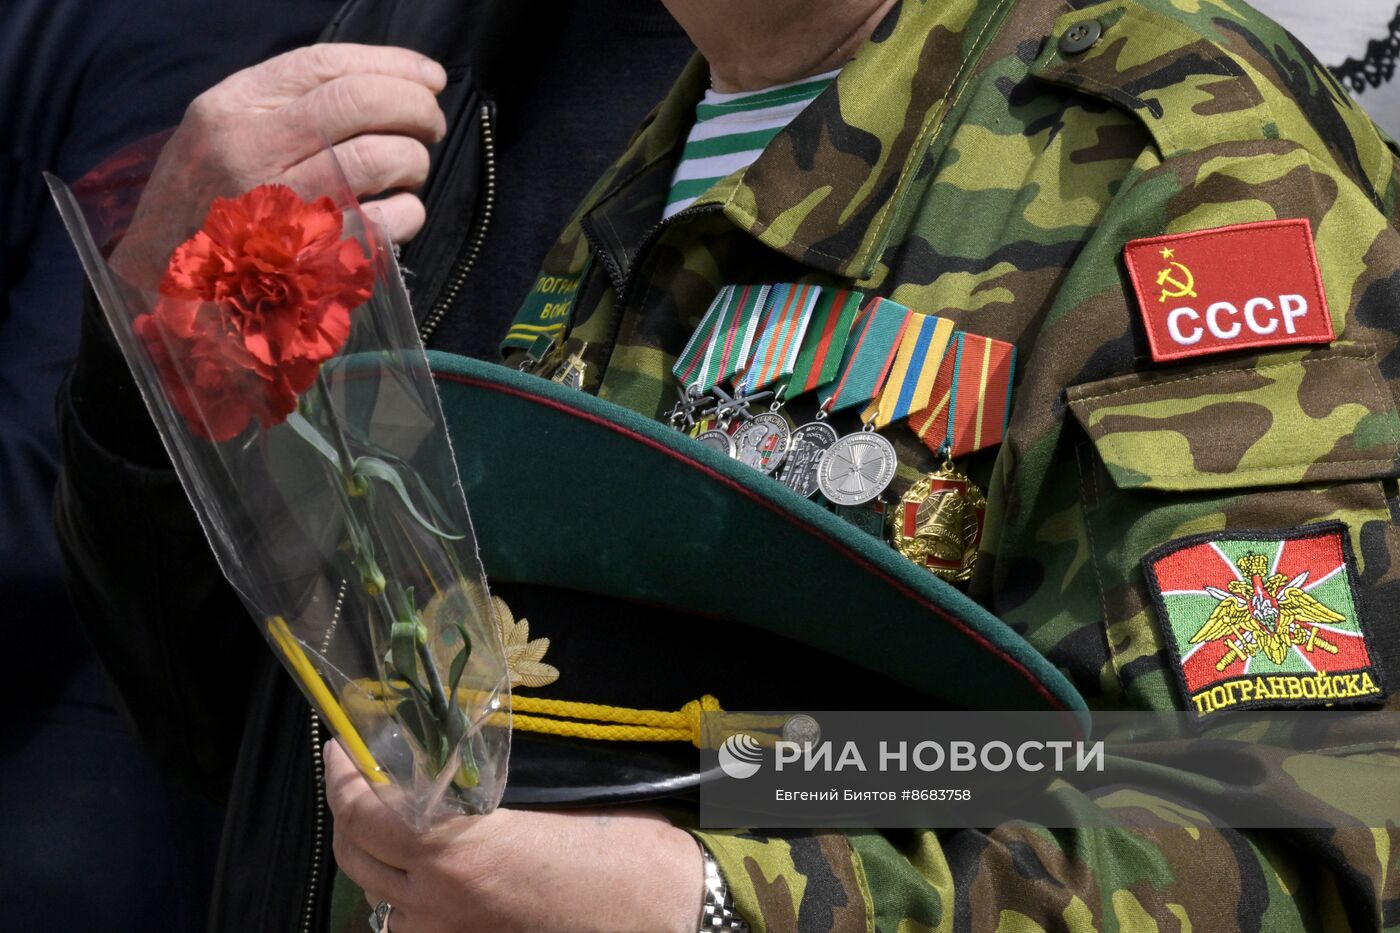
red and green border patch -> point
(1264, 619)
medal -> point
(805, 449)
(971, 400)
(728, 407)
(718, 440)
(572, 371)
(871, 355)
(868, 356)
(819, 359)
(732, 342)
(720, 346)
(789, 311)
(857, 468)
(916, 364)
(690, 408)
(717, 350)
(938, 523)
(762, 442)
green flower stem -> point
(442, 707)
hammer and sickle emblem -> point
(1182, 282)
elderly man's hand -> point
(515, 869)
(375, 105)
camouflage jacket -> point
(965, 164)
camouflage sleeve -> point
(1018, 878)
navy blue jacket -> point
(79, 80)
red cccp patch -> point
(1229, 288)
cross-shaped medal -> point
(737, 404)
(692, 406)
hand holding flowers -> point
(517, 870)
(279, 358)
(374, 105)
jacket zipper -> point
(318, 839)
(615, 273)
(620, 281)
(466, 261)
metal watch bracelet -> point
(718, 912)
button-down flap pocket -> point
(1289, 418)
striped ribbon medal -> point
(785, 325)
(911, 378)
(819, 359)
(938, 521)
(717, 350)
(732, 344)
(859, 467)
(971, 400)
(818, 363)
(720, 345)
(868, 356)
(764, 439)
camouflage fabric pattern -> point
(963, 165)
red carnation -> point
(252, 305)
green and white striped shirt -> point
(731, 130)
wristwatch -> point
(718, 912)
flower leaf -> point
(307, 432)
(459, 666)
(403, 645)
(375, 468)
(421, 727)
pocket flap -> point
(1290, 418)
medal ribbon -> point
(971, 399)
(819, 359)
(911, 379)
(869, 354)
(733, 343)
(789, 312)
(720, 345)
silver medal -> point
(805, 449)
(762, 442)
(717, 440)
(857, 468)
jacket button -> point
(1080, 37)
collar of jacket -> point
(828, 190)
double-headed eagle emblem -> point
(1265, 613)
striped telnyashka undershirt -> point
(731, 130)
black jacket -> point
(127, 530)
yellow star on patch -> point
(1168, 252)
(524, 658)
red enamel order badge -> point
(1229, 288)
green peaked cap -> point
(575, 492)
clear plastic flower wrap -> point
(270, 332)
